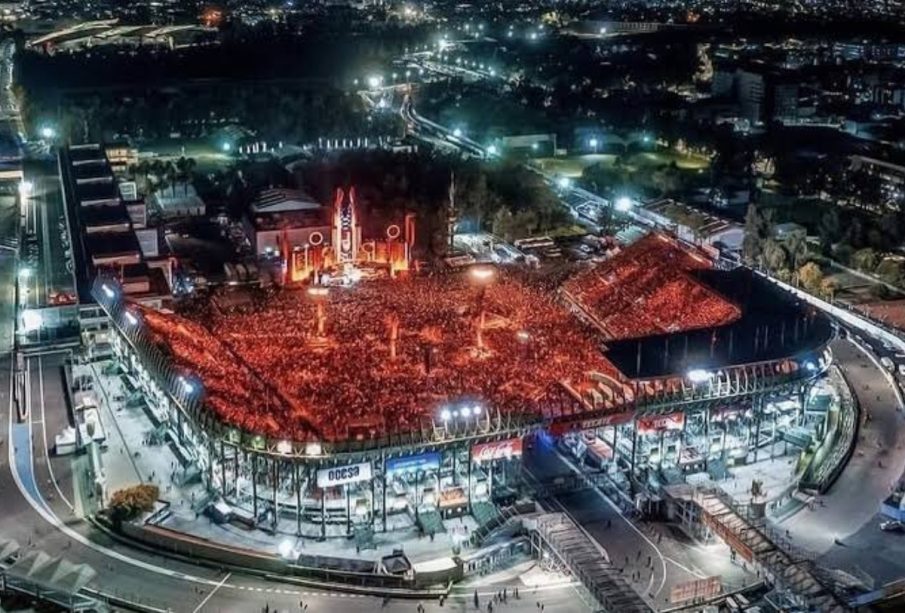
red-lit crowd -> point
(647, 289)
(267, 369)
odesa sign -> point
(341, 475)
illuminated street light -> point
(31, 320)
(491, 150)
(603, 30)
(623, 203)
(564, 182)
(593, 143)
(535, 146)
(445, 415)
(226, 147)
(374, 81)
(47, 133)
(482, 273)
(457, 132)
(25, 188)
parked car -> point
(892, 525)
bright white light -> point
(373, 82)
(476, 409)
(131, 318)
(534, 146)
(646, 138)
(491, 150)
(47, 132)
(284, 447)
(187, 386)
(107, 291)
(25, 188)
(603, 30)
(699, 375)
(593, 143)
(482, 273)
(445, 415)
(466, 411)
(31, 320)
(533, 36)
(226, 147)
(624, 203)
(457, 132)
(564, 182)
(24, 273)
(809, 365)
(285, 549)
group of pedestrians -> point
(501, 597)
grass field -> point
(573, 166)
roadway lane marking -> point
(631, 525)
(53, 477)
(212, 592)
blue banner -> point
(422, 461)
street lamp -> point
(491, 150)
(47, 132)
(593, 143)
(623, 204)
(457, 132)
(564, 182)
(374, 81)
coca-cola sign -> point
(509, 448)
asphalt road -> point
(46, 522)
(850, 510)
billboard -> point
(509, 448)
(342, 475)
(412, 463)
(656, 423)
(696, 589)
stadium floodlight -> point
(623, 203)
(107, 291)
(445, 415)
(187, 386)
(131, 318)
(699, 375)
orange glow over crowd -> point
(647, 289)
(265, 368)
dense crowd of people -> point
(649, 289)
(266, 368)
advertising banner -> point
(705, 588)
(413, 463)
(509, 448)
(341, 475)
(655, 423)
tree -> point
(130, 502)
(829, 229)
(890, 271)
(774, 256)
(758, 228)
(828, 288)
(797, 248)
(865, 260)
(810, 276)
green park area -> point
(574, 165)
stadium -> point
(406, 400)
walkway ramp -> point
(787, 569)
(557, 533)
